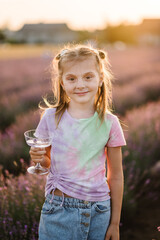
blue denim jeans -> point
(75, 220)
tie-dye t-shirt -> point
(78, 153)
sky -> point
(78, 14)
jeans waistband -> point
(69, 201)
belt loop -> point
(62, 199)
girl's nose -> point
(80, 83)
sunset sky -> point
(78, 14)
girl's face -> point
(81, 80)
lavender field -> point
(136, 98)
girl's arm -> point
(115, 180)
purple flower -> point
(147, 181)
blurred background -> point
(31, 33)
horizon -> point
(89, 30)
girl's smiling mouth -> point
(81, 93)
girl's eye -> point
(88, 77)
(71, 79)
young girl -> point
(81, 203)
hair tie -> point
(101, 54)
(64, 51)
(58, 56)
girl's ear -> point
(101, 75)
(62, 84)
(101, 79)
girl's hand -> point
(37, 154)
(112, 232)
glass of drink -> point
(42, 141)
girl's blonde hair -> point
(103, 99)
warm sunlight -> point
(90, 14)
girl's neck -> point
(81, 111)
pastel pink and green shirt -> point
(78, 156)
